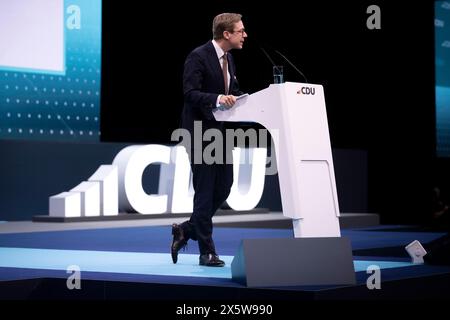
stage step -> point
(224, 218)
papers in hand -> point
(238, 98)
(245, 95)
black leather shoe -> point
(178, 242)
(211, 260)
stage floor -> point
(34, 265)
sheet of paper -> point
(242, 96)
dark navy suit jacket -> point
(203, 82)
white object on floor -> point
(416, 251)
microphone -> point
(270, 59)
(292, 65)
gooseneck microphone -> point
(292, 65)
(284, 57)
(270, 59)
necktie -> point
(225, 71)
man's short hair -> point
(224, 22)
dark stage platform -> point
(134, 263)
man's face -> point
(237, 36)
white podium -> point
(298, 123)
(295, 115)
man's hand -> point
(227, 101)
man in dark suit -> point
(209, 85)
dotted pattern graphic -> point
(38, 106)
(442, 49)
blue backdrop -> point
(40, 105)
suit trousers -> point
(212, 184)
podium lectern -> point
(295, 115)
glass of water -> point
(278, 74)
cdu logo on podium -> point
(307, 91)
